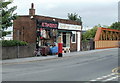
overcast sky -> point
(93, 12)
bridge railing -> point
(102, 44)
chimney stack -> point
(32, 10)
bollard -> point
(60, 45)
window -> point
(73, 37)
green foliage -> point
(115, 25)
(90, 34)
(6, 20)
(74, 17)
(13, 43)
(6, 33)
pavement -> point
(36, 58)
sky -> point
(93, 12)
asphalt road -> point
(96, 66)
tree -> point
(115, 25)
(6, 20)
(74, 17)
(90, 34)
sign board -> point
(69, 26)
(47, 24)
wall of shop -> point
(73, 46)
(27, 29)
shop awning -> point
(64, 31)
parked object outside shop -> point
(54, 49)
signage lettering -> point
(47, 24)
(44, 24)
(69, 26)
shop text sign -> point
(69, 26)
(47, 24)
(50, 25)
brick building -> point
(36, 29)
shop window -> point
(73, 37)
(64, 39)
(20, 33)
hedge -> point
(6, 43)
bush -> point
(13, 43)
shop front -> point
(69, 35)
(51, 32)
(47, 33)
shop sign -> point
(47, 24)
(69, 26)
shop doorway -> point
(66, 39)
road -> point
(96, 66)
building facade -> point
(40, 30)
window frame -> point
(73, 33)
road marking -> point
(105, 76)
(112, 78)
(108, 77)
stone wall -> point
(18, 51)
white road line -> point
(111, 78)
(93, 80)
(106, 76)
(103, 77)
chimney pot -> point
(32, 10)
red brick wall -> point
(27, 29)
(73, 46)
